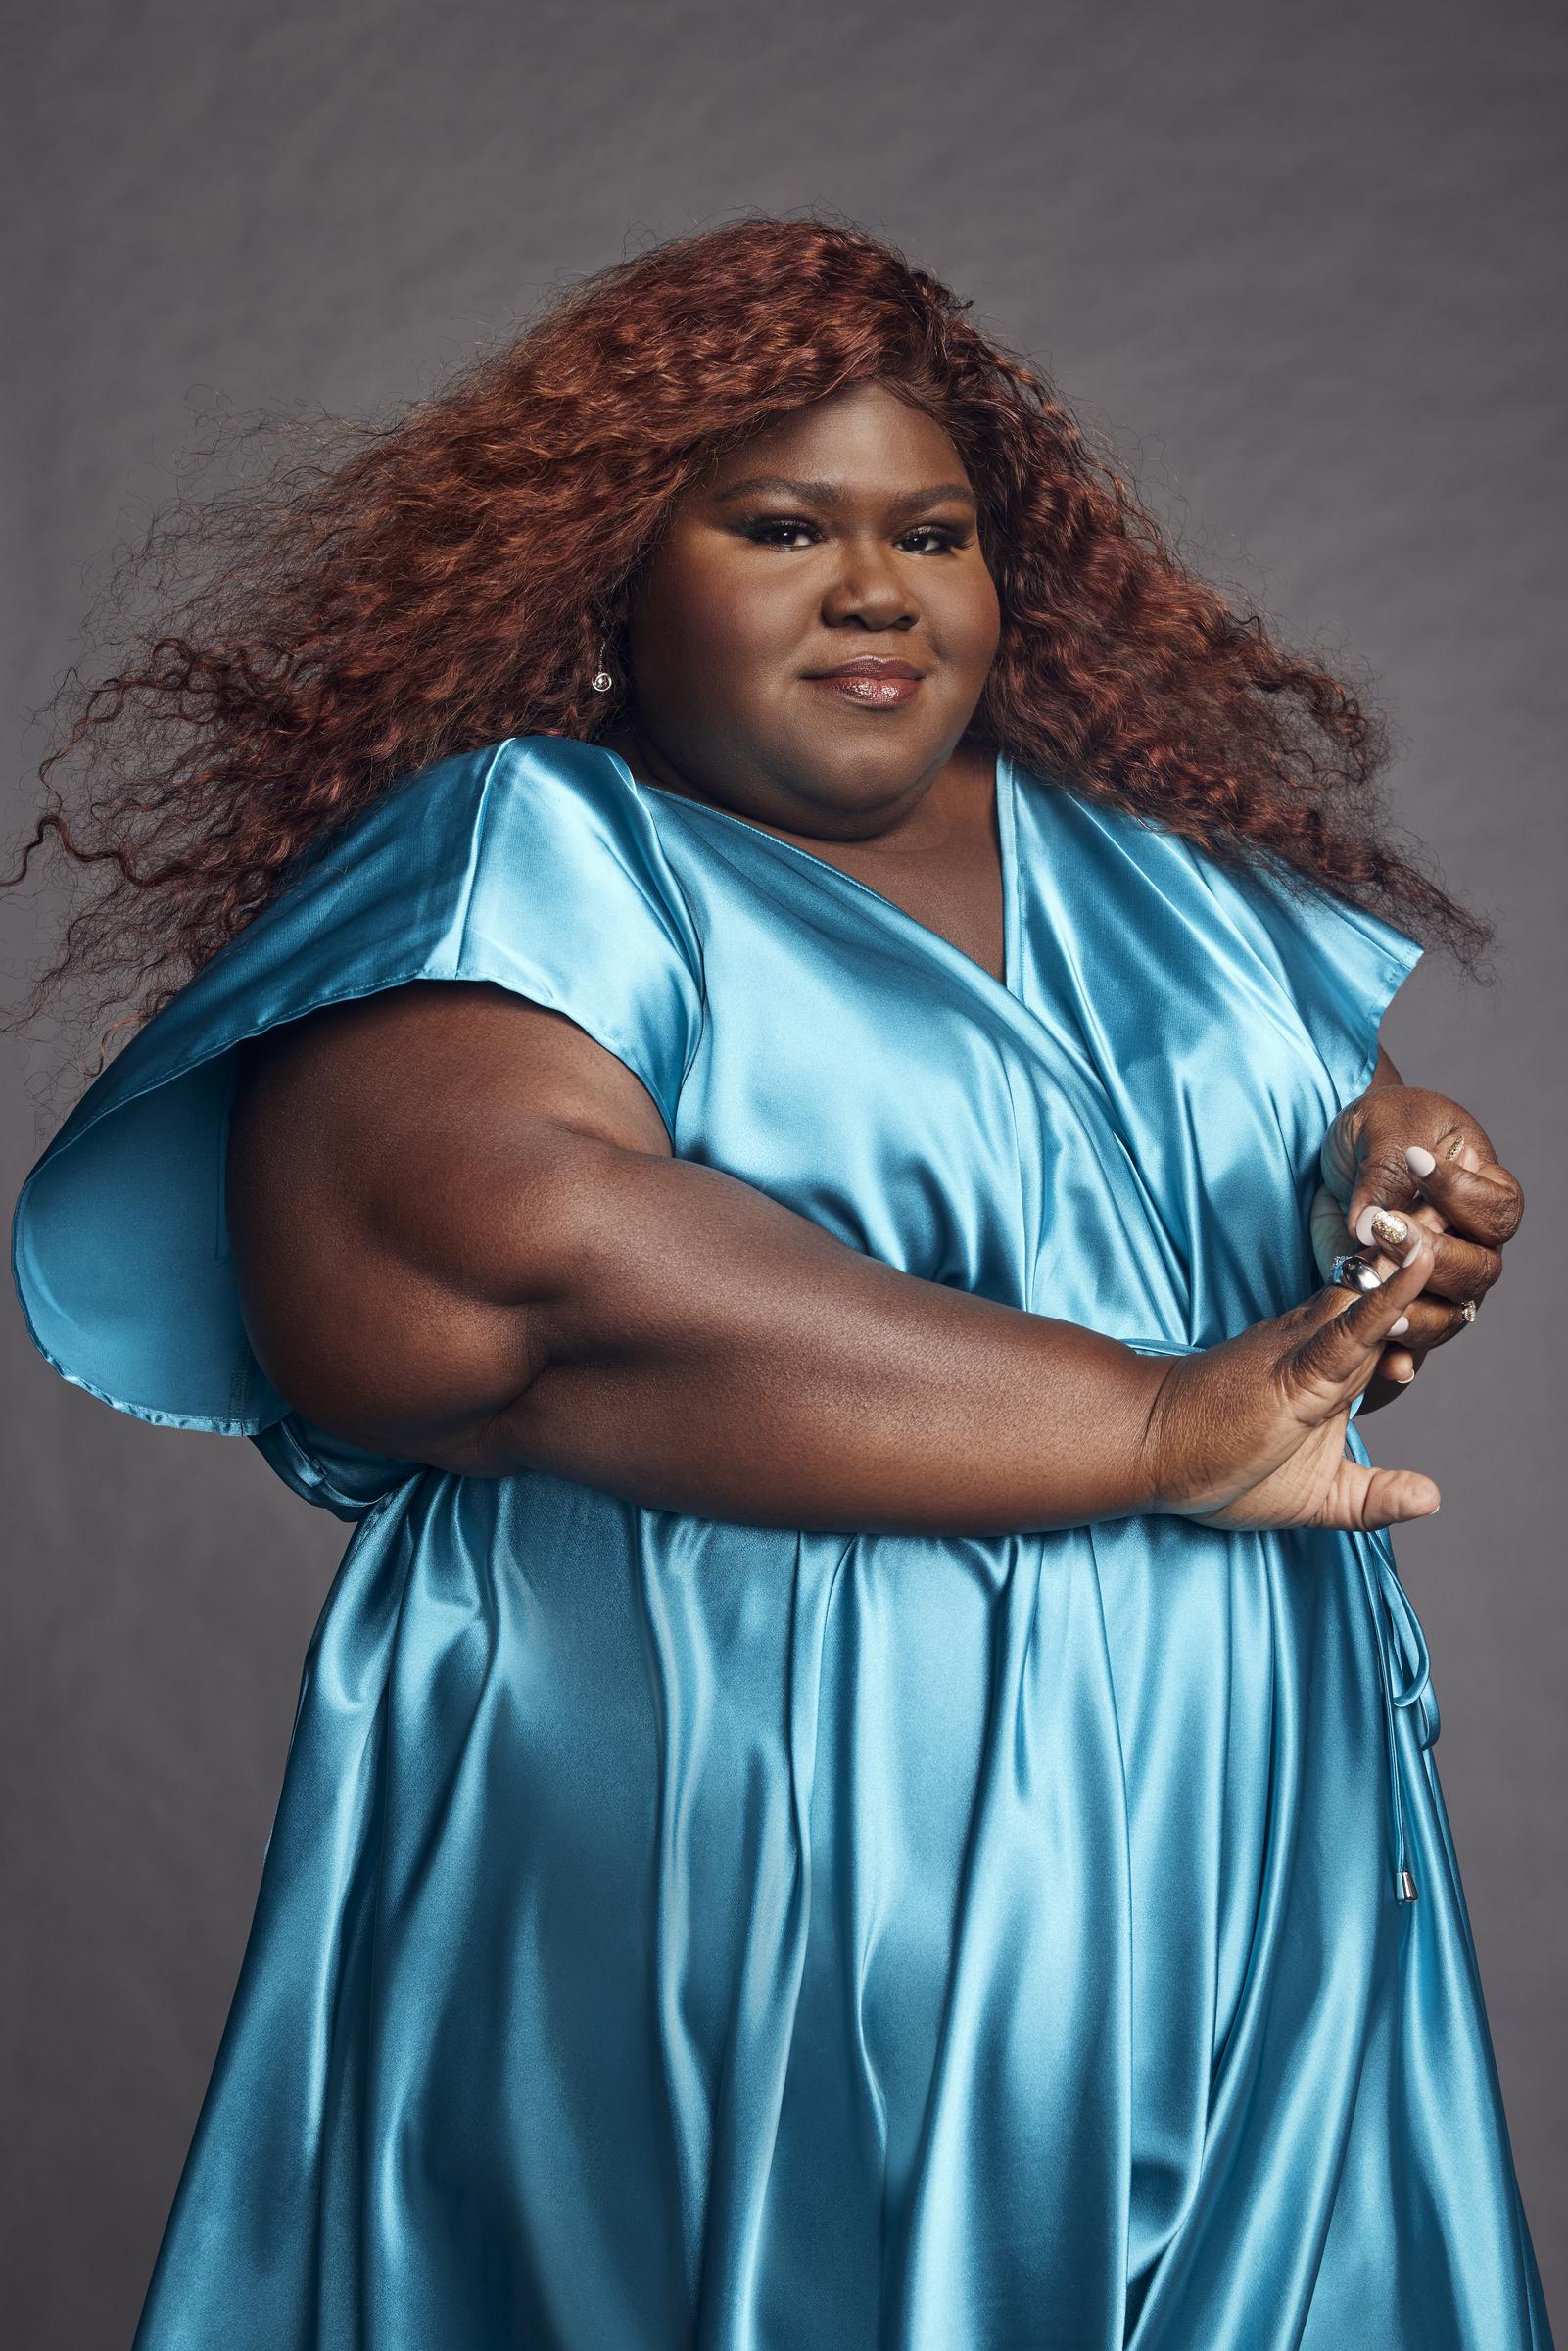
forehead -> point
(865, 435)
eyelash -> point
(947, 536)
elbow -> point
(417, 1331)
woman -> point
(866, 1777)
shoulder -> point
(531, 864)
(515, 782)
(514, 832)
(1250, 899)
(575, 807)
(1248, 939)
(517, 858)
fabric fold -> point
(682, 1935)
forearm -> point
(709, 1351)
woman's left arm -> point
(1452, 1183)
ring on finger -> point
(1354, 1272)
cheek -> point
(969, 627)
(710, 616)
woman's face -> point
(845, 534)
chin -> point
(852, 742)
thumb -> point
(1366, 1495)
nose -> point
(868, 585)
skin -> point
(1468, 1202)
(462, 1236)
(749, 589)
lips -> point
(870, 665)
(875, 684)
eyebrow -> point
(825, 493)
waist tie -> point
(1404, 1662)
(1394, 1616)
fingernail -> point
(1396, 1330)
(1392, 1231)
(1413, 1253)
(1402, 1379)
(1419, 1161)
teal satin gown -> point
(685, 1936)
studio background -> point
(1303, 265)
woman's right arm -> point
(462, 1238)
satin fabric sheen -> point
(682, 1934)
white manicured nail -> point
(1396, 1330)
(1418, 1160)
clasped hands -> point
(1451, 1184)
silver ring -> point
(1353, 1271)
(1468, 1310)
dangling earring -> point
(601, 679)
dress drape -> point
(678, 1935)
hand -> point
(1252, 1432)
(1466, 1196)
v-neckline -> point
(1005, 791)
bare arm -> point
(462, 1238)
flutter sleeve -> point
(1338, 964)
(534, 864)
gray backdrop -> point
(1299, 260)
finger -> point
(1462, 1271)
(1382, 1226)
(1380, 1184)
(1460, 1268)
(1389, 1120)
(1435, 1321)
(1483, 1203)
(1340, 1355)
(1364, 1496)
(1332, 1237)
(1379, 1391)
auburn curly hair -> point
(386, 594)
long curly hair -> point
(387, 593)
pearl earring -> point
(601, 679)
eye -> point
(762, 530)
(777, 530)
(945, 537)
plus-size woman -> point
(761, 991)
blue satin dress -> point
(685, 1936)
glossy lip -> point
(869, 665)
(870, 689)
